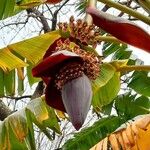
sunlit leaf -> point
(33, 49)
(141, 83)
(29, 3)
(17, 129)
(107, 93)
(119, 63)
(39, 110)
(9, 61)
(4, 136)
(111, 48)
(12, 7)
(139, 105)
(7, 8)
(1, 83)
(9, 82)
(30, 77)
(132, 135)
(106, 73)
(61, 114)
(87, 138)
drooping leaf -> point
(9, 82)
(32, 49)
(16, 126)
(111, 48)
(116, 26)
(30, 138)
(119, 63)
(140, 83)
(17, 129)
(52, 122)
(43, 115)
(1, 83)
(12, 7)
(24, 4)
(9, 61)
(7, 8)
(139, 105)
(106, 73)
(20, 88)
(90, 136)
(4, 136)
(133, 135)
(107, 93)
(30, 77)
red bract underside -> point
(47, 70)
(52, 47)
(53, 97)
(122, 29)
(50, 65)
(53, 1)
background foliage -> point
(120, 93)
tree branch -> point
(54, 20)
(4, 111)
(43, 20)
(18, 98)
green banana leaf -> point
(17, 129)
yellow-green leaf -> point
(29, 3)
(38, 108)
(1, 83)
(3, 136)
(18, 124)
(9, 61)
(107, 93)
(33, 49)
(119, 63)
(9, 82)
(7, 8)
(106, 73)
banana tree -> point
(77, 78)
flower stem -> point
(134, 68)
(108, 39)
(88, 17)
(127, 10)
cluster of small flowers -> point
(69, 72)
(91, 63)
(81, 31)
(72, 70)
